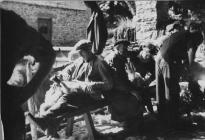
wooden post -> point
(69, 129)
(31, 105)
(90, 126)
(31, 108)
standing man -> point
(178, 48)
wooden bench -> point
(87, 117)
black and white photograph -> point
(102, 70)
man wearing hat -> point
(93, 78)
(117, 60)
(126, 102)
(177, 50)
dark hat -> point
(83, 45)
(122, 41)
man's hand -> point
(55, 79)
(147, 79)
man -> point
(92, 79)
(144, 63)
(126, 102)
(179, 47)
(118, 60)
(141, 69)
(20, 40)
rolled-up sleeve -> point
(68, 71)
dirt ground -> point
(191, 128)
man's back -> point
(175, 47)
(175, 43)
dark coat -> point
(97, 31)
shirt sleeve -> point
(67, 72)
(106, 83)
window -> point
(45, 27)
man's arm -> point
(107, 81)
(191, 53)
(66, 73)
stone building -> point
(146, 16)
(152, 19)
(61, 22)
(145, 19)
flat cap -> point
(83, 45)
(122, 41)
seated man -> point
(144, 63)
(118, 60)
(141, 72)
(90, 78)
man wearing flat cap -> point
(93, 78)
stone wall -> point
(68, 25)
(145, 19)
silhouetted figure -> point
(19, 40)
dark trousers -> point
(167, 90)
(124, 106)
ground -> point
(191, 128)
